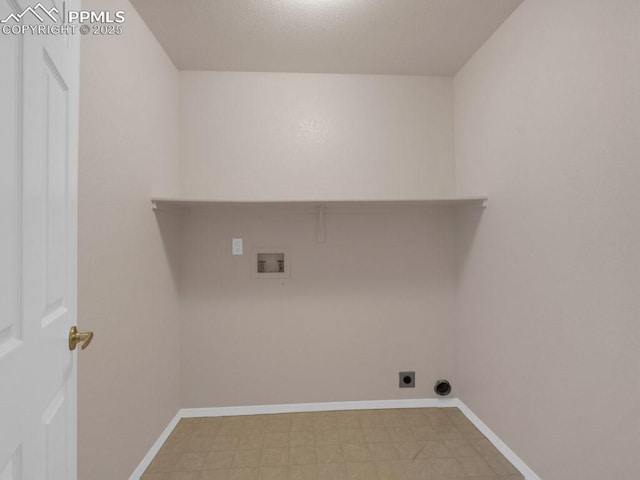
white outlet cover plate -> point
(236, 246)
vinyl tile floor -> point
(399, 444)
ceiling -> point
(404, 37)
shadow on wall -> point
(467, 221)
(169, 225)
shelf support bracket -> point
(154, 205)
(321, 232)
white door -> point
(38, 196)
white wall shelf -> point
(479, 201)
(319, 207)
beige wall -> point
(373, 300)
(548, 339)
(382, 280)
(129, 377)
(257, 136)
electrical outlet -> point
(407, 379)
(236, 246)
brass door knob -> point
(76, 337)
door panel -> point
(10, 470)
(10, 133)
(54, 426)
(38, 198)
(55, 238)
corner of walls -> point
(182, 167)
(129, 379)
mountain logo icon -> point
(38, 11)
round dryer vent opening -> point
(442, 388)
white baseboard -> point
(155, 448)
(333, 406)
(499, 444)
(316, 407)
